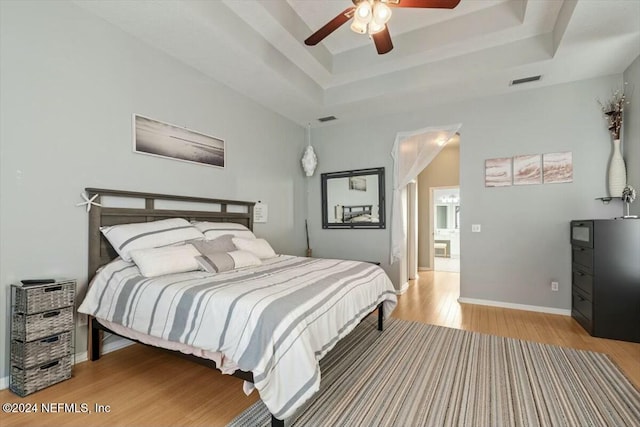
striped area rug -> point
(415, 374)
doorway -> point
(439, 211)
(445, 237)
(415, 153)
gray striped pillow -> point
(145, 235)
(216, 262)
(225, 261)
(219, 244)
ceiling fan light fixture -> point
(363, 12)
(372, 16)
(381, 13)
(374, 27)
(358, 27)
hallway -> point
(450, 264)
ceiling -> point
(257, 48)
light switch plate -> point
(475, 228)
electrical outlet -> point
(83, 320)
(554, 286)
(475, 228)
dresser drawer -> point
(32, 353)
(582, 233)
(582, 280)
(582, 304)
(37, 299)
(29, 327)
(26, 381)
(584, 257)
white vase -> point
(617, 171)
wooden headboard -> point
(101, 252)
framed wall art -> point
(357, 183)
(156, 138)
(557, 167)
(527, 169)
(497, 172)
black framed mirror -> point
(353, 199)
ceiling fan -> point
(371, 16)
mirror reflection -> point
(353, 199)
(446, 222)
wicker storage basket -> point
(27, 381)
(42, 298)
(35, 353)
(29, 327)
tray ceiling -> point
(256, 47)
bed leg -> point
(276, 422)
(94, 340)
(380, 317)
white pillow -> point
(259, 247)
(244, 259)
(168, 260)
(212, 230)
(145, 235)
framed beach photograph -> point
(497, 172)
(527, 169)
(557, 167)
(358, 183)
(156, 138)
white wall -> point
(69, 83)
(631, 131)
(524, 242)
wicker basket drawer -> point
(27, 381)
(34, 353)
(42, 298)
(30, 327)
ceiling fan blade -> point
(330, 27)
(426, 4)
(382, 40)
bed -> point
(356, 212)
(267, 324)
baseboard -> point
(4, 382)
(425, 268)
(403, 289)
(106, 348)
(525, 307)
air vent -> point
(525, 80)
(327, 119)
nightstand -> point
(41, 335)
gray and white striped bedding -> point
(276, 320)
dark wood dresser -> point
(606, 277)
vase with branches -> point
(613, 110)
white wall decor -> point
(260, 213)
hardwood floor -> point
(147, 387)
(433, 299)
